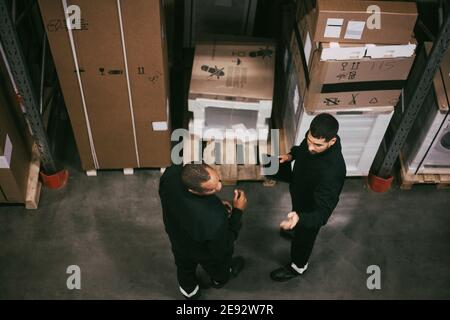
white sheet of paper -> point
(355, 29)
(160, 126)
(333, 28)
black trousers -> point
(302, 245)
(186, 271)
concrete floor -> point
(111, 227)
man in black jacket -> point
(317, 180)
(201, 228)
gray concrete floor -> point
(111, 227)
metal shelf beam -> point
(22, 78)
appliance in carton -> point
(232, 88)
(114, 78)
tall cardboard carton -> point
(117, 99)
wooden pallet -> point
(406, 180)
(232, 166)
(34, 185)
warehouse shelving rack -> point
(417, 87)
(33, 76)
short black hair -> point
(193, 175)
(324, 126)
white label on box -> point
(160, 126)
(355, 29)
(5, 159)
(333, 28)
(308, 47)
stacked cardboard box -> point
(114, 78)
(345, 68)
(232, 88)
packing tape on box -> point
(80, 84)
(122, 36)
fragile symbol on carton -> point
(102, 71)
(155, 77)
(262, 52)
(213, 71)
(331, 101)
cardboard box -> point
(348, 51)
(347, 21)
(362, 70)
(120, 119)
(14, 157)
(353, 100)
(244, 71)
(232, 86)
(365, 83)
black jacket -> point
(317, 181)
(198, 226)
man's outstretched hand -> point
(285, 158)
(290, 222)
(240, 200)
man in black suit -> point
(316, 183)
(202, 229)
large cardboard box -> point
(346, 21)
(232, 86)
(115, 81)
(14, 157)
(356, 83)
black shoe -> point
(283, 274)
(237, 264)
(287, 234)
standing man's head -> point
(201, 179)
(322, 133)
